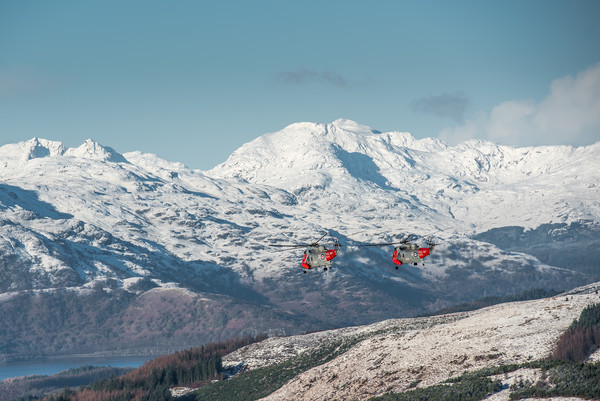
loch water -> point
(53, 366)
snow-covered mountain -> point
(87, 213)
(88, 217)
(472, 187)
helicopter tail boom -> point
(423, 252)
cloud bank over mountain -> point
(569, 114)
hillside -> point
(506, 351)
(179, 256)
(398, 355)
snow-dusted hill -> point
(89, 217)
(400, 354)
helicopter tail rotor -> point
(430, 243)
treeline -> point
(152, 381)
(565, 379)
(565, 373)
(582, 338)
(203, 359)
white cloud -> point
(570, 114)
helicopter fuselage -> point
(410, 254)
(317, 256)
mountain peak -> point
(36, 148)
(93, 150)
(353, 126)
(309, 154)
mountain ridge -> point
(308, 158)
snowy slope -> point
(397, 355)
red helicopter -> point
(316, 255)
(406, 251)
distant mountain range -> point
(132, 252)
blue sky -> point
(192, 81)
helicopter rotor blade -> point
(284, 249)
(290, 246)
(317, 241)
(407, 238)
(382, 244)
